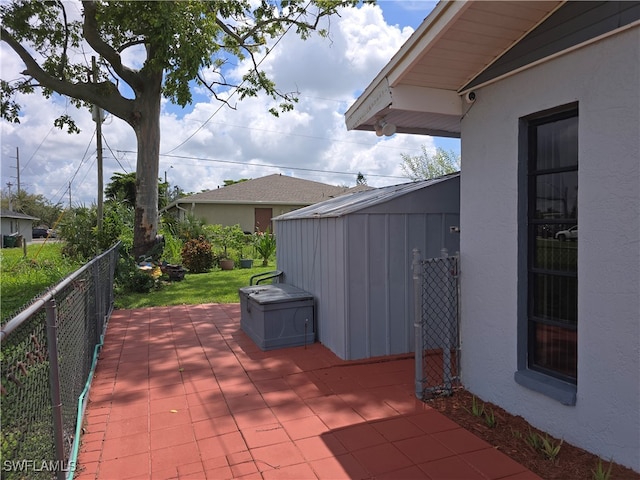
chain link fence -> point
(436, 321)
(47, 355)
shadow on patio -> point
(182, 392)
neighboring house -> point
(253, 203)
(545, 97)
(353, 254)
(16, 222)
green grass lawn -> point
(24, 278)
(217, 286)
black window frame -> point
(554, 383)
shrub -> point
(197, 256)
(186, 229)
(117, 224)
(230, 237)
(129, 277)
(79, 230)
(265, 245)
(172, 248)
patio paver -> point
(182, 392)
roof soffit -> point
(378, 94)
(422, 84)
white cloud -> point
(207, 144)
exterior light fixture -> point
(385, 128)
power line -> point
(286, 167)
(69, 182)
(235, 90)
(38, 147)
(314, 137)
(114, 155)
(66, 109)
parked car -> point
(39, 233)
(52, 233)
(570, 234)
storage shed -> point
(353, 253)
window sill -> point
(563, 392)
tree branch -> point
(132, 43)
(90, 31)
(261, 26)
(105, 94)
(209, 86)
(65, 45)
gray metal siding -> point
(332, 246)
(378, 239)
(311, 254)
(398, 310)
(358, 267)
(358, 310)
(572, 24)
(380, 298)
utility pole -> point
(97, 117)
(18, 168)
(69, 196)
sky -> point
(206, 143)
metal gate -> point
(436, 322)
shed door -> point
(263, 219)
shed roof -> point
(354, 202)
(17, 215)
(277, 188)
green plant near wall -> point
(550, 449)
(265, 245)
(534, 440)
(227, 238)
(197, 256)
(544, 444)
(172, 248)
(477, 408)
(490, 418)
(600, 473)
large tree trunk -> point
(147, 128)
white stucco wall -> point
(605, 79)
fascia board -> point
(412, 98)
(378, 99)
(377, 96)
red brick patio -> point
(182, 392)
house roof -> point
(17, 215)
(354, 202)
(272, 189)
(420, 90)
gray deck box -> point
(277, 316)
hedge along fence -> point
(48, 354)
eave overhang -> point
(422, 88)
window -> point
(549, 244)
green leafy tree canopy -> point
(430, 165)
(184, 42)
(122, 188)
(34, 205)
